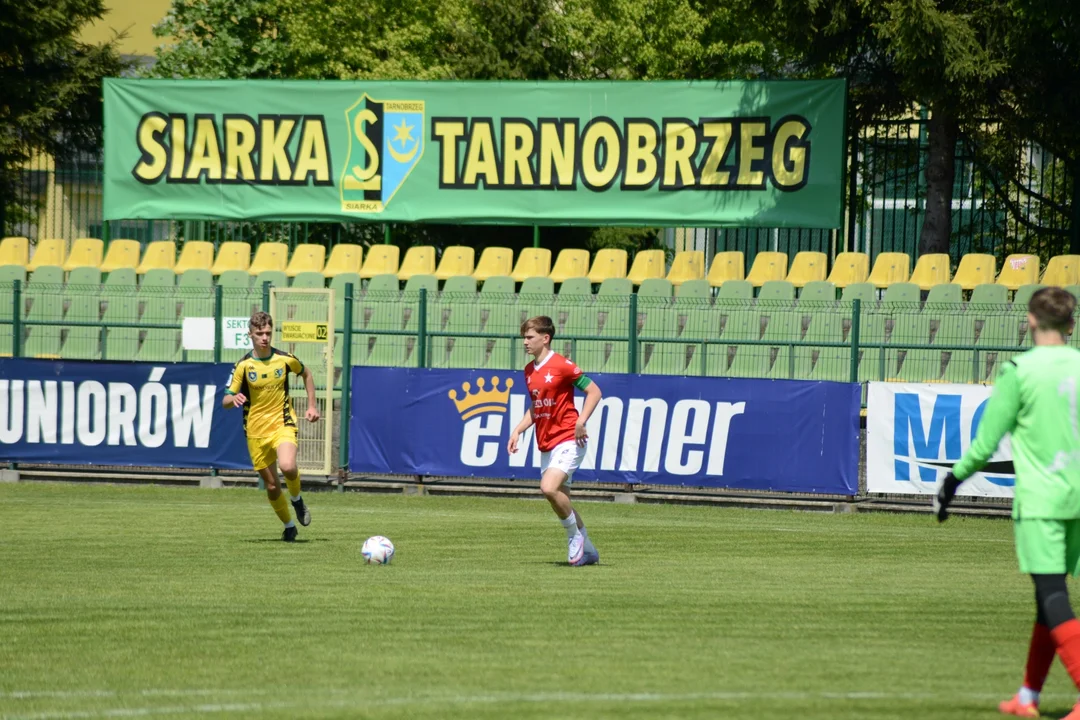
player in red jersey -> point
(560, 431)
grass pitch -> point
(144, 601)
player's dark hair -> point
(542, 324)
(1053, 309)
(260, 320)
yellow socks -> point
(293, 485)
(281, 507)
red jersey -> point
(551, 386)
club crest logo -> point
(386, 141)
(278, 373)
(253, 376)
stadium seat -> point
(460, 286)
(419, 260)
(44, 292)
(647, 264)
(932, 269)
(531, 263)
(385, 283)
(777, 290)
(575, 286)
(232, 256)
(736, 290)
(50, 252)
(494, 262)
(728, 265)
(83, 297)
(1061, 271)
(945, 294)
(456, 260)
(348, 258)
(832, 363)
(989, 294)
(11, 273)
(196, 278)
(662, 358)
(276, 278)
(608, 263)
(687, 265)
(958, 329)
(85, 252)
(235, 279)
(902, 293)
(1019, 270)
(656, 290)
(123, 279)
(570, 263)
(14, 251)
(818, 292)
(307, 257)
(498, 285)
(309, 279)
(121, 254)
(808, 266)
(121, 308)
(1075, 290)
(269, 256)
(158, 277)
(195, 255)
(975, 269)
(768, 266)
(615, 286)
(1023, 295)
(380, 260)
(889, 268)
(416, 283)
(159, 254)
(689, 289)
(537, 295)
(849, 268)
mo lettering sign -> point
(737, 153)
(792, 436)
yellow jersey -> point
(265, 383)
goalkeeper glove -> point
(946, 491)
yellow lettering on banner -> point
(680, 146)
(517, 147)
(178, 140)
(749, 152)
(595, 173)
(557, 153)
(794, 174)
(448, 134)
(366, 176)
(720, 133)
(480, 158)
(239, 144)
(274, 165)
(641, 163)
(205, 151)
(312, 158)
(155, 156)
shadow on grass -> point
(279, 541)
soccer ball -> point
(377, 550)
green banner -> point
(599, 153)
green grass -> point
(140, 601)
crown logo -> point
(482, 401)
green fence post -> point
(386, 233)
(856, 322)
(106, 233)
(421, 333)
(219, 331)
(536, 236)
(346, 383)
(633, 362)
(16, 320)
(266, 297)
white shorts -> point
(565, 456)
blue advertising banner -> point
(701, 432)
(115, 413)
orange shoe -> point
(1027, 710)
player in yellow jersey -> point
(260, 385)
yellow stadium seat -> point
(346, 258)
(456, 260)
(767, 266)
(648, 264)
(1061, 271)
(608, 263)
(1019, 270)
(307, 257)
(159, 255)
(14, 251)
(687, 265)
(195, 255)
(570, 264)
(932, 269)
(849, 268)
(532, 262)
(120, 255)
(270, 256)
(381, 260)
(889, 268)
(48, 252)
(494, 262)
(232, 256)
(807, 267)
(85, 252)
(975, 269)
(727, 265)
(419, 260)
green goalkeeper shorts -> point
(1048, 547)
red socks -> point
(1040, 657)
(1066, 638)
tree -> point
(50, 84)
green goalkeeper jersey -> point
(1035, 399)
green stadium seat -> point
(872, 332)
(459, 350)
(902, 294)
(48, 275)
(917, 365)
(84, 277)
(990, 294)
(1023, 296)
(240, 302)
(310, 280)
(82, 294)
(498, 285)
(1074, 289)
(787, 361)
(235, 279)
(159, 344)
(159, 277)
(44, 292)
(658, 290)
(945, 294)
(385, 283)
(416, 283)
(613, 286)
(736, 290)
(776, 290)
(11, 273)
(503, 318)
(749, 360)
(540, 286)
(460, 286)
(661, 358)
(817, 292)
(575, 286)
(832, 363)
(120, 343)
(196, 278)
(866, 293)
(120, 278)
(959, 329)
(276, 278)
(688, 289)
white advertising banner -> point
(915, 433)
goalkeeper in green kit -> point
(1035, 399)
